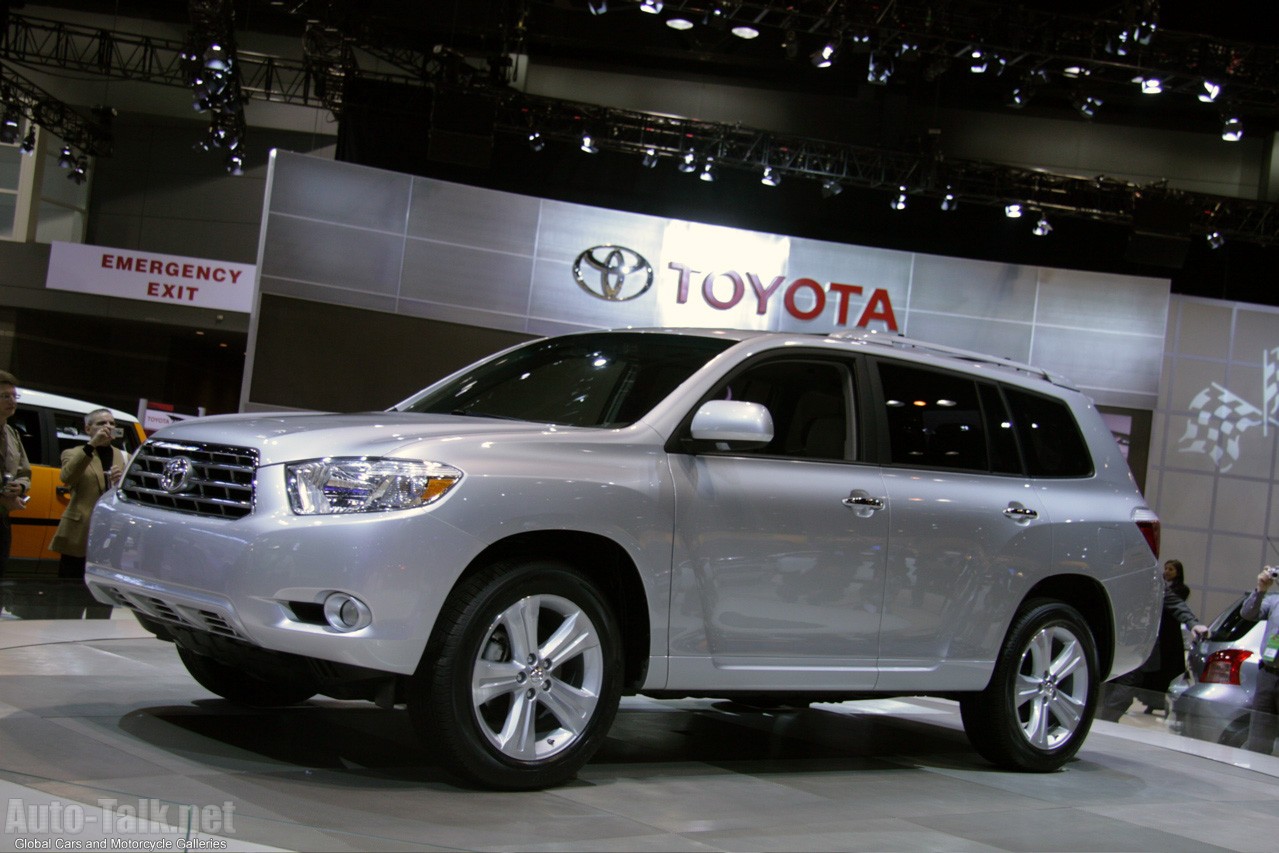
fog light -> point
(346, 612)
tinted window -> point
(934, 419)
(1049, 437)
(1000, 436)
(600, 380)
(27, 423)
(808, 401)
(1231, 626)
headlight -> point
(325, 486)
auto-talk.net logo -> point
(613, 273)
(1219, 417)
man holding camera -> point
(90, 470)
(1264, 723)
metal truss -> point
(90, 135)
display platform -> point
(106, 741)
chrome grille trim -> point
(221, 482)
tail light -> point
(1148, 523)
(1223, 667)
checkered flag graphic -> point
(1270, 389)
(1219, 418)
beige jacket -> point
(83, 473)
(15, 462)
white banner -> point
(151, 277)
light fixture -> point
(1019, 96)
(878, 69)
(1215, 240)
(1013, 210)
(78, 168)
(708, 170)
(9, 128)
(650, 158)
(948, 201)
(899, 202)
(1232, 130)
(790, 47)
(235, 163)
(688, 161)
(29, 141)
(588, 144)
(831, 188)
(1075, 71)
(824, 56)
(1086, 105)
(651, 6)
(1043, 227)
(597, 7)
(65, 159)
(770, 178)
(679, 23)
(979, 62)
(535, 140)
(1150, 85)
(745, 31)
(1210, 92)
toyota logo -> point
(176, 476)
(613, 273)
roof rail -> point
(867, 336)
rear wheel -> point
(522, 678)
(1039, 705)
(241, 687)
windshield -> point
(593, 380)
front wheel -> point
(522, 678)
(1039, 705)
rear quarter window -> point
(1050, 440)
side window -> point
(69, 427)
(934, 419)
(809, 402)
(27, 423)
(1000, 435)
(1050, 438)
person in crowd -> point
(1119, 693)
(14, 466)
(90, 470)
(1170, 648)
(1263, 724)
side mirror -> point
(732, 423)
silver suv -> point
(778, 517)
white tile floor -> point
(105, 739)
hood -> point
(288, 437)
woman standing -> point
(1170, 648)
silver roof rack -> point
(971, 356)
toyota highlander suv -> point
(675, 513)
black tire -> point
(1235, 734)
(1039, 705)
(241, 687)
(500, 713)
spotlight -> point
(949, 202)
(1232, 130)
(1150, 85)
(650, 158)
(535, 140)
(597, 7)
(789, 46)
(29, 142)
(78, 168)
(1018, 97)
(708, 171)
(1086, 105)
(588, 144)
(65, 158)
(824, 56)
(1013, 210)
(899, 203)
(235, 164)
(979, 62)
(1210, 92)
(216, 59)
(679, 23)
(688, 162)
(651, 6)
(1075, 71)
(770, 178)
(1042, 228)
(831, 188)
(878, 69)
(1215, 240)
(9, 129)
(745, 31)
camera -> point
(1272, 572)
(117, 432)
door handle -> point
(1020, 513)
(863, 503)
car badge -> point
(613, 273)
(176, 476)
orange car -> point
(49, 424)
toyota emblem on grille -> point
(176, 476)
(613, 273)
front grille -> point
(203, 479)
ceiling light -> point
(1210, 92)
(1074, 71)
(65, 158)
(235, 164)
(878, 69)
(535, 140)
(1086, 105)
(650, 157)
(1232, 130)
(708, 171)
(651, 6)
(688, 162)
(824, 56)
(899, 203)
(831, 187)
(949, 202)
(1150, 85)
(1013, 210)
(588, 144)
(679, 23)
(9, 129)
(77, 173)
(979, 62)
(770, 178)
(743, 31)
(29, 142)
(1215, 240)
(597, 7)
(1042, 228)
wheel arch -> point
(608, 565)
(1089, 597)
